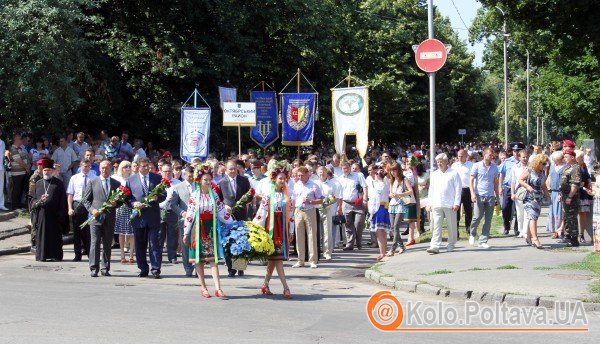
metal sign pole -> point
(431, 91)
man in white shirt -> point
(444, 200)
(463, 167)
(332, 193)
(169, 231)
(353, 205)
(335, 164)
(77, 212)
(66, 158)
(307, 196)
(2, 150)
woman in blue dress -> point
(533, 179)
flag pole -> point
(298, 91)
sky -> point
(467, 10)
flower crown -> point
(276, 167)
(201, 170)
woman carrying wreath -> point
(275, 215)
(201, 228)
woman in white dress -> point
(378, 202)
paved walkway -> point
(510, 267)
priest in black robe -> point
(49, 201)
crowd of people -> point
(311, 207)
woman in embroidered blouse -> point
(275, 214)
(201, 234)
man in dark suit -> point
(178, 203)
(146, 226)
(103, 227)
(232, 187)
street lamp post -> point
(505, 36)
(527, 143)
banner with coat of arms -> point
(195, 129)
(298, 118)
(350, 109)
(266, 131)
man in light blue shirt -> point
(484, 193)
(506, 201)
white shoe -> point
(3, 208)
(327, 257)
(297, 265)
(313, 265)
(472, 240)
(433, 250)
(484, 245)
(449, 248)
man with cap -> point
(506, 200)
(569, 195)
(49, 200)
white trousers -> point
(521, 217)
(437, 216)
(2, 187)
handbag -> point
(408, 199)
(521, 192)
(339, 220)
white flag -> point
(195, 131)
(227, 94)
(351, 117)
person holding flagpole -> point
(202, 220)
(275, 214)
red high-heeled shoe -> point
(410, 243)
(286, 294)
(220, 294)
(204, 293)
(265, 290)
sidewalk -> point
(14, 234)
(509, 271)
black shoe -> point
(173, 261)
(506, 232)
(374, 246)
(77, 259)
(573, 243)
(517, 233)
(405, 232)
(94, 274)
(359, 248)
(232, 273)
(143, 274)
(348, 248)
(105, 273)
(156, 275)
(240, 273)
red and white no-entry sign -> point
(431, 55)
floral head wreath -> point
(201, 170)
(276, 167)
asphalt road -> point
(57, 302)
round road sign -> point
(431, 55)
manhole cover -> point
(570, 276)
(43, 267)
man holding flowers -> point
(102, 226)
(146, 218)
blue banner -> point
(298, 118)
(266, 131)
(195, 129)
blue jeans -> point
(483, 207)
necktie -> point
(233, 186)
(106, 191)
(145, 186)
(84, 181)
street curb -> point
(8, 216)
(67, 240)
(478, 296)
(14, 232)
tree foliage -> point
(563, 40)
(130, 64)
